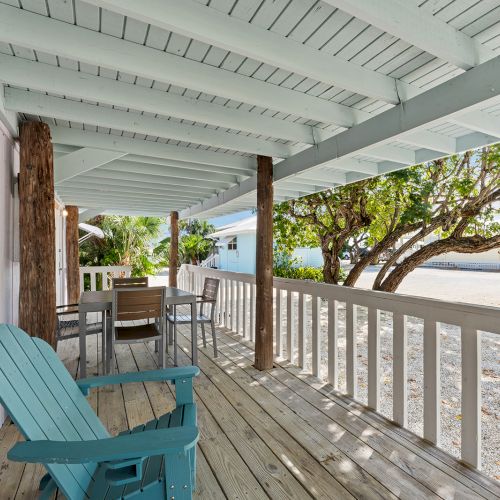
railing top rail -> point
(486, 318)
(102, 269)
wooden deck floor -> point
(281, 434)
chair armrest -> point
(123, 447)
(180, 373)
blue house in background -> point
(235, 248)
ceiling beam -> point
(162, 170)
(85, 138)
(106, 194)
(479, 121)
(99, 187)
(89, 214)
(431, 140)
(391, 153)
(352, 165)
(208, 25)
(132, 180)
(34, 31)
(467, 91)
(161, 180)
(145, 186)
(417, 26)
(35, 103)
(81, 161)
(48, 78)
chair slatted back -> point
(45, 403)
(138, 282)
(209, 294)
(138, 303)
(210, 289)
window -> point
(233, 244)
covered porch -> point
(182, 110)
(279, 434)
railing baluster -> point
(290, 325)
(278, 328)
(301, 329)
(82, 280)
(432, 381)
(252, 312)
(238, 306)
(245, 310)
(351, 350)
(316, 344)
(399, 369)
(226, 302)
(92, 281)
(104, 280)
(333, 329)
(373, 358)
(471, 395)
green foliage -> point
(194, 246)
(128, 241)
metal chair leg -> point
(214, 338)
(175, 343)
(203, 334)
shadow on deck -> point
(278, 434)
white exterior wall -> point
(9, 252)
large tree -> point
(454, 197)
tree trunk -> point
(72, 255)
(468, 244)
(264, 265)
(37, 287)
(174, 249)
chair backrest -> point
(44, 402)
(210, 289)
(138, 303)
(130, 282)
(209, 294)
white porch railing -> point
(301, 344)
(100, 276)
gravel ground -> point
(465, 286)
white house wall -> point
(9, 265)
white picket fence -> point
(236, 311)
(106, 273)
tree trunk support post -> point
(174, 249)
(37, 286)
(264, 265)
(72, 255)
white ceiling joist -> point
(208, 25)
(79, 112)
(419, 27)
(465, 92)
(158, 180)
(7, 117)
(81, 161)
(480, 121)
(142, 187)
(431, 140)
(85, 138)
(26, 29)
(48, 78)
(89, 214)
(95, 187)
(162, 170)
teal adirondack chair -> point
(154, 461)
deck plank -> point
(279, 434)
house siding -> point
(9, 262)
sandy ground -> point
(474, 287)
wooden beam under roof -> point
(26, 29)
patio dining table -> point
(102, 301)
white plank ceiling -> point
(163, 105)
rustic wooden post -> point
(264, 265)
(37, 287)
(174, 249)
(72, 255)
